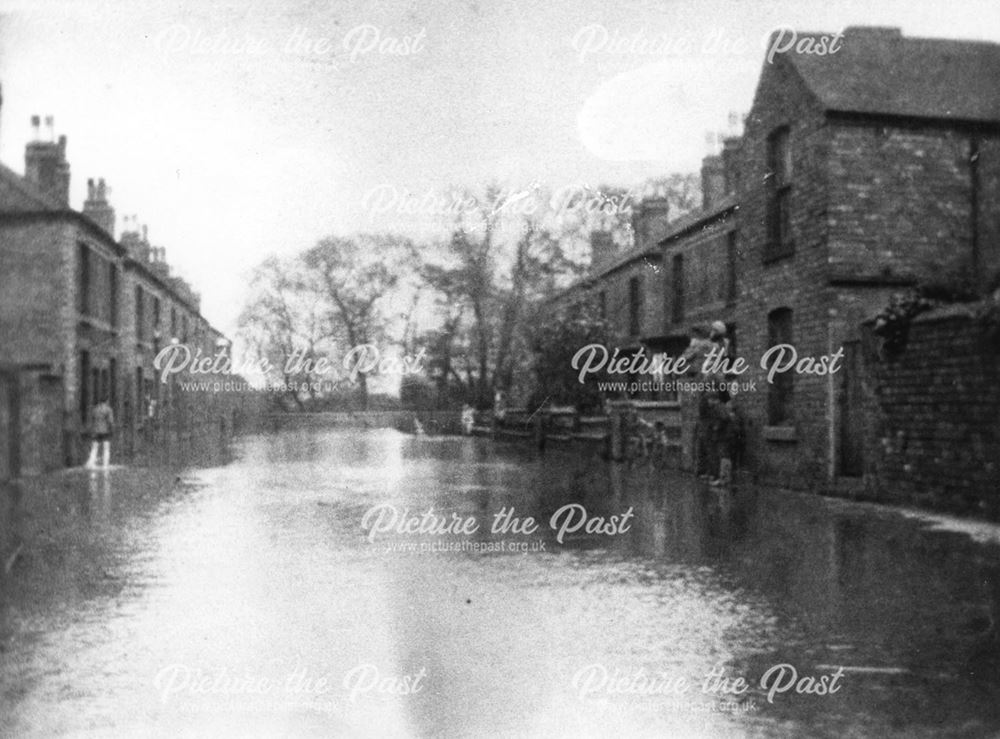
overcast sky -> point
(235, 130)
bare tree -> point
(355, 279)
(280, 321)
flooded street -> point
(244, 597)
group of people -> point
(717, 427)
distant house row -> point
(82, 315)
(857, 174)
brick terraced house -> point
(81, 316)
(858, 174)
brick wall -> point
(32, 290)
(934, 416)
(615, 286)
(989, 206)
(900, 201)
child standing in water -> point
(102, 422)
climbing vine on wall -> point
(893, 323)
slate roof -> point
(18, 195)
(878, 70)
(697, 218)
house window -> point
(141, 406)
(634, 306)
(731, 256)
(83, 390)
(602, 305)
(83, 280)
(156, 314)
(779, 393)
(779, 195)
(140, 315)
(677, 273)
(113, 382)
(173, 322)
(113, 294)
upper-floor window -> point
(140, 314)
(97, 286)
(634, 306)
(677, 294)
(83, 280)
(779, 392)
(602, 305)
(779, 195)
(731, 260)
(113, 294)
(156, 313)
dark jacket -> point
(102, 419)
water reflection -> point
(257, 569)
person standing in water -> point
(102, 423)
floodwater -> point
(249, 596)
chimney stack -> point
(713, 181)
(730, 162)
(97, 208)
(130, 236)
(45, 164)
(651, 221)
(602, 248)
(134, 239)
(158, 262)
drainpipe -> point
(974, 183)
(831, 408)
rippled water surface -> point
(244, 598)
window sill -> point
(656, 404)
(97, 323)
(773, 253)
(780, 433)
